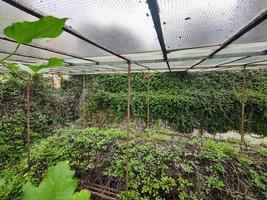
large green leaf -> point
(33, 69)
(25, 32)
(58, 184)
(53, 62)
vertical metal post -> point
(128, 130)
(28, 108)
(148, 100)
(83, 102)
(243, 104)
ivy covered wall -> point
(209, 101)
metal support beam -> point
(253, 63)
(153, 7)
(148, 99)
(66, 29)
(58, 52)
(51, 50)
(128, 131)
(243, 104)
(191, 58)
(83, 102)
(259, 19)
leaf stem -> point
(17, 74)
(13, 53)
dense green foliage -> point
(208, 101)
(47, 107)
(161, 167)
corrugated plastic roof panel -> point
(193, 23)
(192, 30)
(65, 42)
(124, 26)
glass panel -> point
(193, 23)
(121, 25)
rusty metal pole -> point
(28, 108)
(128, 130)
(243, 104)
(83, 102)
(148, 100)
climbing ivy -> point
(207, 101)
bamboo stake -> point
(83, 102)
(128, 130)
(243, 104)
(28, 107)
(148, 100)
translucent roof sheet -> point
(193, 23)
(258, 34)
(6, 46)
(121, 25)
(249, 60)
(127, 30)
(65, 42)
(216, 62)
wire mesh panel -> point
(193, 23)
(121, 25)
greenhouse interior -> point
(133, 99)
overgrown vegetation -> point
(177, 167)
(206, 101)
(161, 166)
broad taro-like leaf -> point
(53, 62)
(25, 32)
(58, 184)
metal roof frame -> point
(153, 7)
(114, 65)
(259, 19)
(69, 30)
